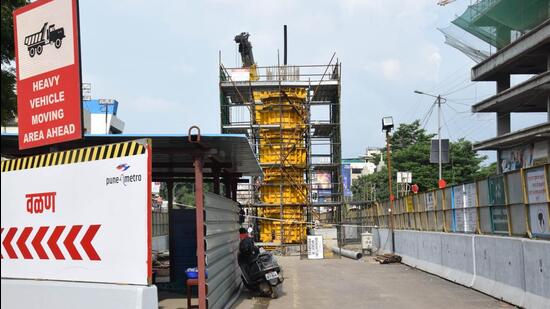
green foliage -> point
(411, 152)
(8, 99)
(184, 192)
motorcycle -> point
(259, 268)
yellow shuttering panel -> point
(275, 137)
(283, 113)
(287, 93)
(275, 175)
(289, 156)
(289, 213)
(271, 232)
(295, 194)
(286, 117)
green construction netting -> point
(498, 22)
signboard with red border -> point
(49, 92)
(78, 215)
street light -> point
(438, 101)
(387, 125)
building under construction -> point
(291, 115)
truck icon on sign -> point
(47, 35)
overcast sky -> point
(159, 59)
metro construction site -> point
(291, 116)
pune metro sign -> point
(47, 56)
(78, 215)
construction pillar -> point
(503, 119)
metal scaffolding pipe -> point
(347, 253)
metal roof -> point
(172, 153)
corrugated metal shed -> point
(222, 245)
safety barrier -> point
(514, 269)
(512, 204)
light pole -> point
(438, 101)
(387, 125)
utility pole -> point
(438, 101)
(390, 187)
(387, 125)
(439, 133)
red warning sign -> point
(48, 73)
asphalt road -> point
(345, 283)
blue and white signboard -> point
(346, 179)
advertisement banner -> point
(80, 215)
(322, 186)
(464, 203)
(538, 217)
(47, 54)
(346, 179)
(536, 185)
(430, 203)
(496, 190)
(409, 203)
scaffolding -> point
(291, 116)
(498, 22)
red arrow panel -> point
(7, 243)
(86, 242)
(52, 242)
(37, 242)
(21, 243)
(69, 242)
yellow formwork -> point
(285, 116)
(271, 232)
(292, 194)
(273, 175)
(296, 94)
(287, 155)
(282, 144)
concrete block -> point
(499, 267)
(457, 257)
(38, 294)
(406, 245)
(382, 240)
(429, 252)
(536, 254)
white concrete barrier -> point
(536, 255)
(31, 294)
(516, 270)
(457, 258)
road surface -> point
(345, 283)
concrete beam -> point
(526, 55)
(525, 97)
(524, 136)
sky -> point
(160, 61)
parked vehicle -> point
(47, 35)
(260, 270)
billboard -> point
(463, 204)
(346, 179)
(524, 156)
(322, 186)
(80, 215)
(47, 54)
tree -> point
(8, 98)
(409, 134)
(411, 152)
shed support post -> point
(199, 215)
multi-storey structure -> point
(520, 30)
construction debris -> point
(388, 258)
